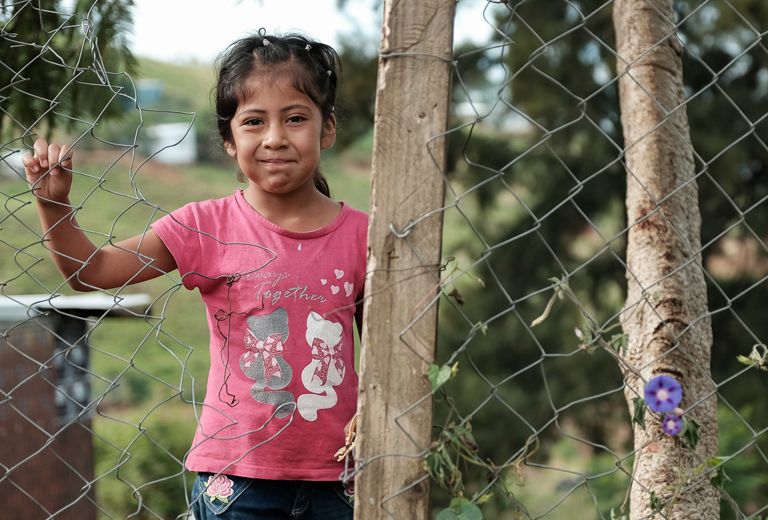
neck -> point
(301, 210)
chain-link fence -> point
(557, 202)
(538, 375)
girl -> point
(280, 267)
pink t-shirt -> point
(281, 310)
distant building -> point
(173, 143)
(46, 447)
(10, 163)
(149, 92)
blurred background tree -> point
(536, 167)
(54, 76)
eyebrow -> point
(284, 109)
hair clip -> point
(308, 47)
(265, 42)
(329, 72)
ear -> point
(230, 149)
(328, 134)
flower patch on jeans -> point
(219, 488)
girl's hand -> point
(49, 171)
(350, 432)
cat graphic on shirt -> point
(325, 371)
(264, 362)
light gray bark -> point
(665, 316)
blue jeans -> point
(239, 498)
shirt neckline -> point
(253, 214)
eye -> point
(253, 122)
(296, 119)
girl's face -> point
(277, 135)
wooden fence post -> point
(395, 405)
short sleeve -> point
(180, 233)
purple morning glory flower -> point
(663, 394)
(671, 424)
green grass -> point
(188, 85)
(134, 452)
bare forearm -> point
(69, 246)
(87, 267)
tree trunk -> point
(665, 316)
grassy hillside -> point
(188, 84)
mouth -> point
(275, 161)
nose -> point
(274, 137)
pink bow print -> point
(268, 349)
(325, 353)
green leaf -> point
(461, 509)
(638, 416)
(464, 438)
(758, 357)
(656, 502)
(513, 477)
(618, 515)
(619, 342)
(432, 463)
(719, 476)
(440, 466)
(482, 499)
(447, 514)
(691, 433)
(439, 375)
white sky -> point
(200, 29)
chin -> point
(279, 190)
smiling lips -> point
(275, 161)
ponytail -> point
(322, 184)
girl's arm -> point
(85, 267)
